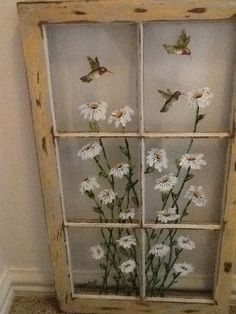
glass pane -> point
(177, 263)
(115, 46)
(104, 187)
(105, 261)
(185, 187)
(211, 65)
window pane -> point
(90, 192)
(185, 187)
(101, 265)
(115, 46)
(180, 262)
(211, 65)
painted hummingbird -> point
(171, 99)
(181, 46)
(96, 71)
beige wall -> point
(23, 240)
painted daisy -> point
(166, 182)
(167, 215)
(196, 195)
(160, 250)
(121, 116)
(157, 158)
(185, 243)
(107, 196)
(127, 266)
(97, 252)
(127, 241)
(192, 161)
(90, 151)
(182, 269)
(128, 213)
(200, 98)
(95, 110)
(120, 170)
(89, 184)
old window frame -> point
(33, 17)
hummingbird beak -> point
(110, 72)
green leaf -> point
(103, 266)
(153, 236)
(97, 209)
(173, 195)
(135, 201)
(164, 197)
(189, 176)
(149, 170)
(200, 117)
(94, 126)
(166, 265)
(124, 150)
(102, 174)
(130, 280)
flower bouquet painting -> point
(114, 190)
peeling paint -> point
(227, 267)
(44, 145)
(140, 10)
(197, 10)
(77, 12)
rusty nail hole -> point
(140, 10)
(227, 267)
(197, 10)
(80, 13)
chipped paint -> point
(140, 10)
(197, 10)
(44, 145)
(112, 308)
(38, 102)
(52, 134)
(77, 12)
(191, 311)
(227, 267)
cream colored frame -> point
(33, 16)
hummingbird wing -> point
(94, 64)
(169, 102)
(169, 48)
(183, 40)
(164, 94)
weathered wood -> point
(141, 135)
(40, 103)
(125, 11)
(34, 15)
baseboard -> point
(20, 282)
(16, 282)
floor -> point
(43, 305)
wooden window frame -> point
(33, 16)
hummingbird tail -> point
(164, 109)
(86, 79)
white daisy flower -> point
(185, 243)
(90, 151)
(95, 110)
(120, 170)
(192, 161)
(121, 116)
(127, 241)
(89, 184)
(166, 182)
(196, 195)
(157, 158)
(160, 250)
(127, 266)
(128, 213)
(97, 252)
(200, 98)
(107, 196)
(182, 269)
(167, 215)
